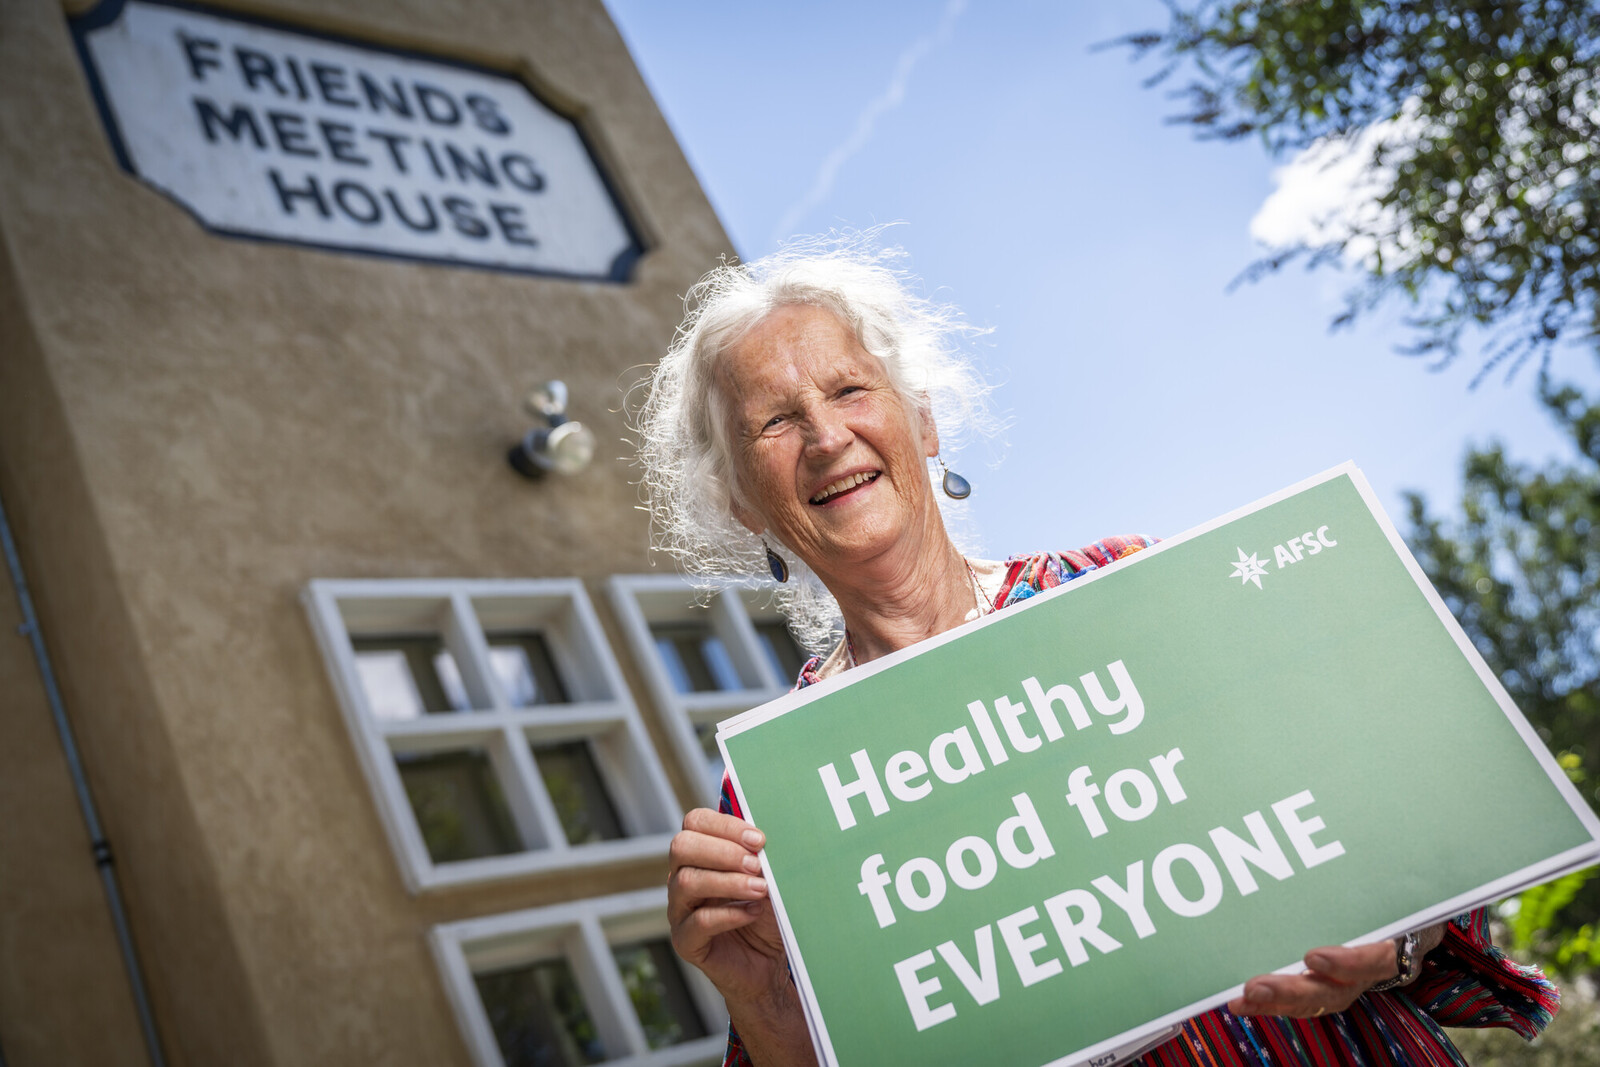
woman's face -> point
(826, 454)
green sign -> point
(1062, 828)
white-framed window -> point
(493, 725)
(704, 660)
(591, 981)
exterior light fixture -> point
(560, 445)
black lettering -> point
(439, 106)
(487, 114)
(335, 85)
(287, 196)
(513, 226)
(429, 226)
(290, 129)
(299, 80)
(462, 216)
(427, 146)
(520, 171)
(478, 166)
(257, 67)
(393, 141)
(377, 99)
(341, 141)
(239, 121)
(345, 191)
(201, 52)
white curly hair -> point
(683, 438)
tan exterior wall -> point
(191, 428)
(63, 993)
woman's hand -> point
(722, 922)
(1335, 977)
(717, 906)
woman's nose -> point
(830, 432)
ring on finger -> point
(1319, 1013)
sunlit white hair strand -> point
(682, 432)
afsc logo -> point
(1249, 569)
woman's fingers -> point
(698, 884)
(1337, 976)
(1302, 996)
(1364, 964)
(713, 861)
(692, 849)
(715, 824)
(695, 936)
(719, 842)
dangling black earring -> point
(775, 563)
(955, 486)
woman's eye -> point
(772, 422)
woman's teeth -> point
(848, 482)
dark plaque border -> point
(108, 11)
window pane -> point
(580, 799)
(782, 650)
(458, 804)
(538, 1015)
(707, 733)
(723, 673)
(525, 670)
(677, 669)
(660, 996)
(695, 657)
(406, 677)
(455, 690)
(391, 691)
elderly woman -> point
(789, 428)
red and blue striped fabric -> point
(1466, 981)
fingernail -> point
(1318, 962)
(754, 838)
(1258, 994)
(758, 885)
(752, 864)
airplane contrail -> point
(886, 101)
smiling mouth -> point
(844, 485)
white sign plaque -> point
(266, 132)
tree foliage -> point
(1520, 570)
(1487, 174)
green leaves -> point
(1489, 176)
(1537, 909)
(1520, 570)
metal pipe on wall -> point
(100, 847)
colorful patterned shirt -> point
(1466, 981)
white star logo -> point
(1249, 568)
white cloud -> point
(1329, 191)
(867, 121)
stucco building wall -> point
(193, 427)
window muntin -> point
(588, 981)
(462, 696)
(704, 658)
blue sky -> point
(1039, 188)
